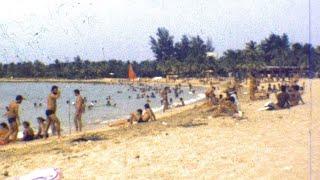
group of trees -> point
(186, 57)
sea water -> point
(38, 93)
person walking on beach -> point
(13, 118)
(164, 95)
(79, 105)
(51, 111)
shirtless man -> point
(138, 117)
(148, 114)
(79, 105)
(164, 95)
(13, 118)
(210, 95)
(51, 110)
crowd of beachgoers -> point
(230, 98)
(9, 130)
(222, 99)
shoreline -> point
(99, 127)
(102, 123)
(196, 82)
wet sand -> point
(187, 143)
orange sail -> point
(131, 73)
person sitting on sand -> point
(41, 127)
(282, 100)
(139, 117)
(28, 134)
(148, 114)
(295, 96)
(226, 106)
(134, 117)
(4, 130)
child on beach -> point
(182, 102)
(28, 134)
(41, 127)
(4, 129)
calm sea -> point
(38, 92)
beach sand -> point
(187, 143)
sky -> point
(121, 29)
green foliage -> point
(186, 58)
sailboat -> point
(131, 74)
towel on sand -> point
(43, 174)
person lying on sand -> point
(28, 134)
(136, 117)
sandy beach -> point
(187, 143)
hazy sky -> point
(120, 29)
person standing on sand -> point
(51, 110)
(79, 105)
(252, 86)
(164, 95)
(13, 118)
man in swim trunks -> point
(51, 110)
(13, 118)
(79, 105)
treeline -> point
(191, 56)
